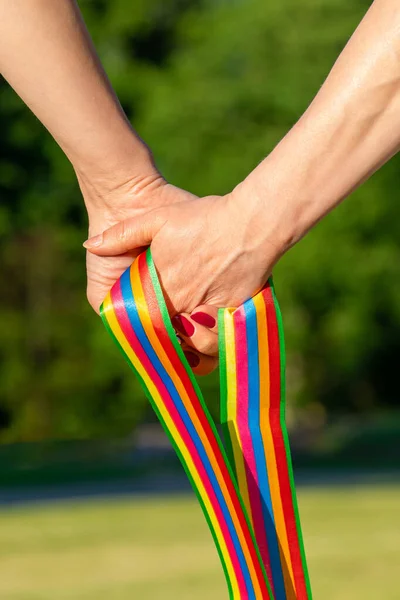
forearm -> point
(351, 128)
(47, 56)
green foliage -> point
(212, 87)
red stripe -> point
(133, 341)
(160, 329)
(246, 438)
(280, 450)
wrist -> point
(275, 213)
(296, 185)
(111, 187)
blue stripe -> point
(133, 315)
(259, 451)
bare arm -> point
(350, 129)
(47, 56)
(230, 244)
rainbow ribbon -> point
(253, 517)
(252, 370)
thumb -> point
(127, 235)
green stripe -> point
(286, 437)
(177, 347)
(172, 335)
(224, 390)
(174, 445)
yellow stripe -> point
(263, 352)
(231, 390)
(140, 299)
(141, 304)
(114, 325)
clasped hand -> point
(209, 252)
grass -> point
(160, 548)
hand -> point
(215, 251)
(108, 205)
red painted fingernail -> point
(183, 325)
(192, 359)
(204, 319)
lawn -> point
(160, 548)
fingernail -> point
(204, 319)
(94, 241)
(183, 325)
(192, 359)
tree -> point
(212, 87)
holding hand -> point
(215, 251)
(108, 205)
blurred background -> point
(93, 503)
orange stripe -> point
(115, 327)
(139, 295)
(280, 525)
(230, 353)
(140, 299)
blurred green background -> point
(152, 550)
(212, 86)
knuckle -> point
(207, 346)
(122, 232)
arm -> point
(230, 244)
(47, 56)
(350, 129)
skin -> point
(47, 56)
(219, 251)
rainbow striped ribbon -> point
(136, 316)
(252, 369)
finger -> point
(200, 364)
(127, 235)
(207, 316)
(196, 336)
